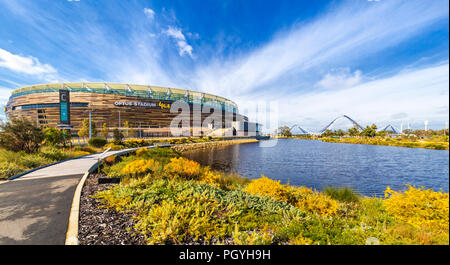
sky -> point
(377, 61)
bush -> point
(343, 194)
(9, 169)
(20, 135)
(141, 151)
(113, 146)
(130, 143)
(314, 202)
(268, 188)
(140, 167)
(80, 153)
(117, 136)
(97, 142)
(53, 153)
(88, 149)
(183, 168)
(34, 160)
(419, 207)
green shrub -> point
(88, 149)
(117, 136)
(8, 169)
(113, 146)
(53, 153)
(344, 194)
(20, 134)
(97, 142)
(34, 160)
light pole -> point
(90, 126)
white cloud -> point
(341, 35)
(183, 46)
(417, 95)
(21, 64)
(341, 79)
(150, 13)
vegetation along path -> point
(35, 208)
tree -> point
(354, 131)
(126, 127)
(117, 136)
(327, 133)
(105, 131)
(53, 136)
(370, 131)
(339, 133)
(131, 131)
(84, 131)
(285, 131)
(67, 136)
(20, 134)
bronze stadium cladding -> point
(152, 116)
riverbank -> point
(401, 142)
(173, 200)
(195, 146)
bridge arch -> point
(392, 129)
(338, 118)
(300, 128)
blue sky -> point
(376, 61)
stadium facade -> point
(146, 109)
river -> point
(368, 169)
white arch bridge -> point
(389, 127)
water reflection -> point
(366, 168)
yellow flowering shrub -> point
(314, 202)
(209, 177)
(141, 151)
(135, 142)
(419, 207)
(268, 188)
(183, 168)
(140, 167)
(300, 197)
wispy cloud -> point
(343, 34)
(183, 46)
(341, 78)
(150, 13)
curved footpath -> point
(35, 208)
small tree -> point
(117, 136)
(67, 136)
(126, 127)
(53, 136)
(370, 131)
(20, 134)
(131, 131)
(354, 131)
(84, 131)
(105, 131)
(285, 131)
(327, 133)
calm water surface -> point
(315, 164)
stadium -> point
(144, 109)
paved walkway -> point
(35, 208)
